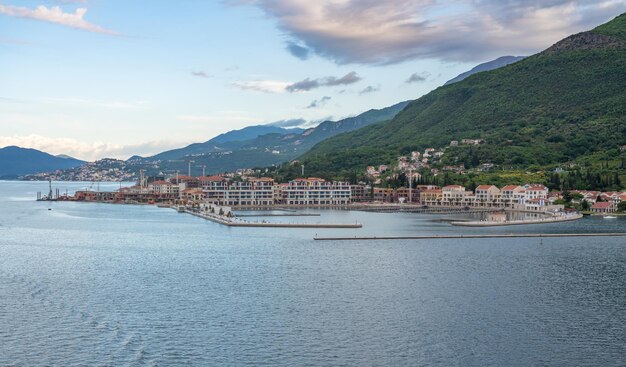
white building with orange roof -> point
(453, 194)
(487, 195)
(603, 207)
(536, 191)
(431, 196)
(163, 188)
(512, 196)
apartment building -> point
(487, 195)
(316, 191)
(453, 195)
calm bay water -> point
(98, 284)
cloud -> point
(369, 89)
(266, 86)
(331, 81)
(319, 102)
(417, 78)
(288, 123)
(392, 31)
(88, 151)
(298, 51)
(200, 74)
(56, 15)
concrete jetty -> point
(564, 218)
(233, 222)
(438, 237)
(278, 215)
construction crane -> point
(189, 162)
(142, 182)
(169, 171)
(203, 169)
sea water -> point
(104, 284)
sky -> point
(115, 78)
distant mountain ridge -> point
(222, 141)
(491, 65)
(16, 161)
(222, 153)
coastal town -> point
(264, 192)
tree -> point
(584, 205)
(622, 206)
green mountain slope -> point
(561, 105)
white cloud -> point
(391, 31)
(266, 86)
(87, 151)
(56, 15)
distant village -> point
(418, 161)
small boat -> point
(609, 217)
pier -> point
(554, 219)
(471, 236)
(279, 215)
(233, 222)
(407, 208)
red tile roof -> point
(510, 187)
(602, 205)
(212, 178)
(537, 187)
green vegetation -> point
(615, 28)
(564, 106)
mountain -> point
(222, 141)
(565, 104)
(219, 154)
(491, 65)
(16, 161)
